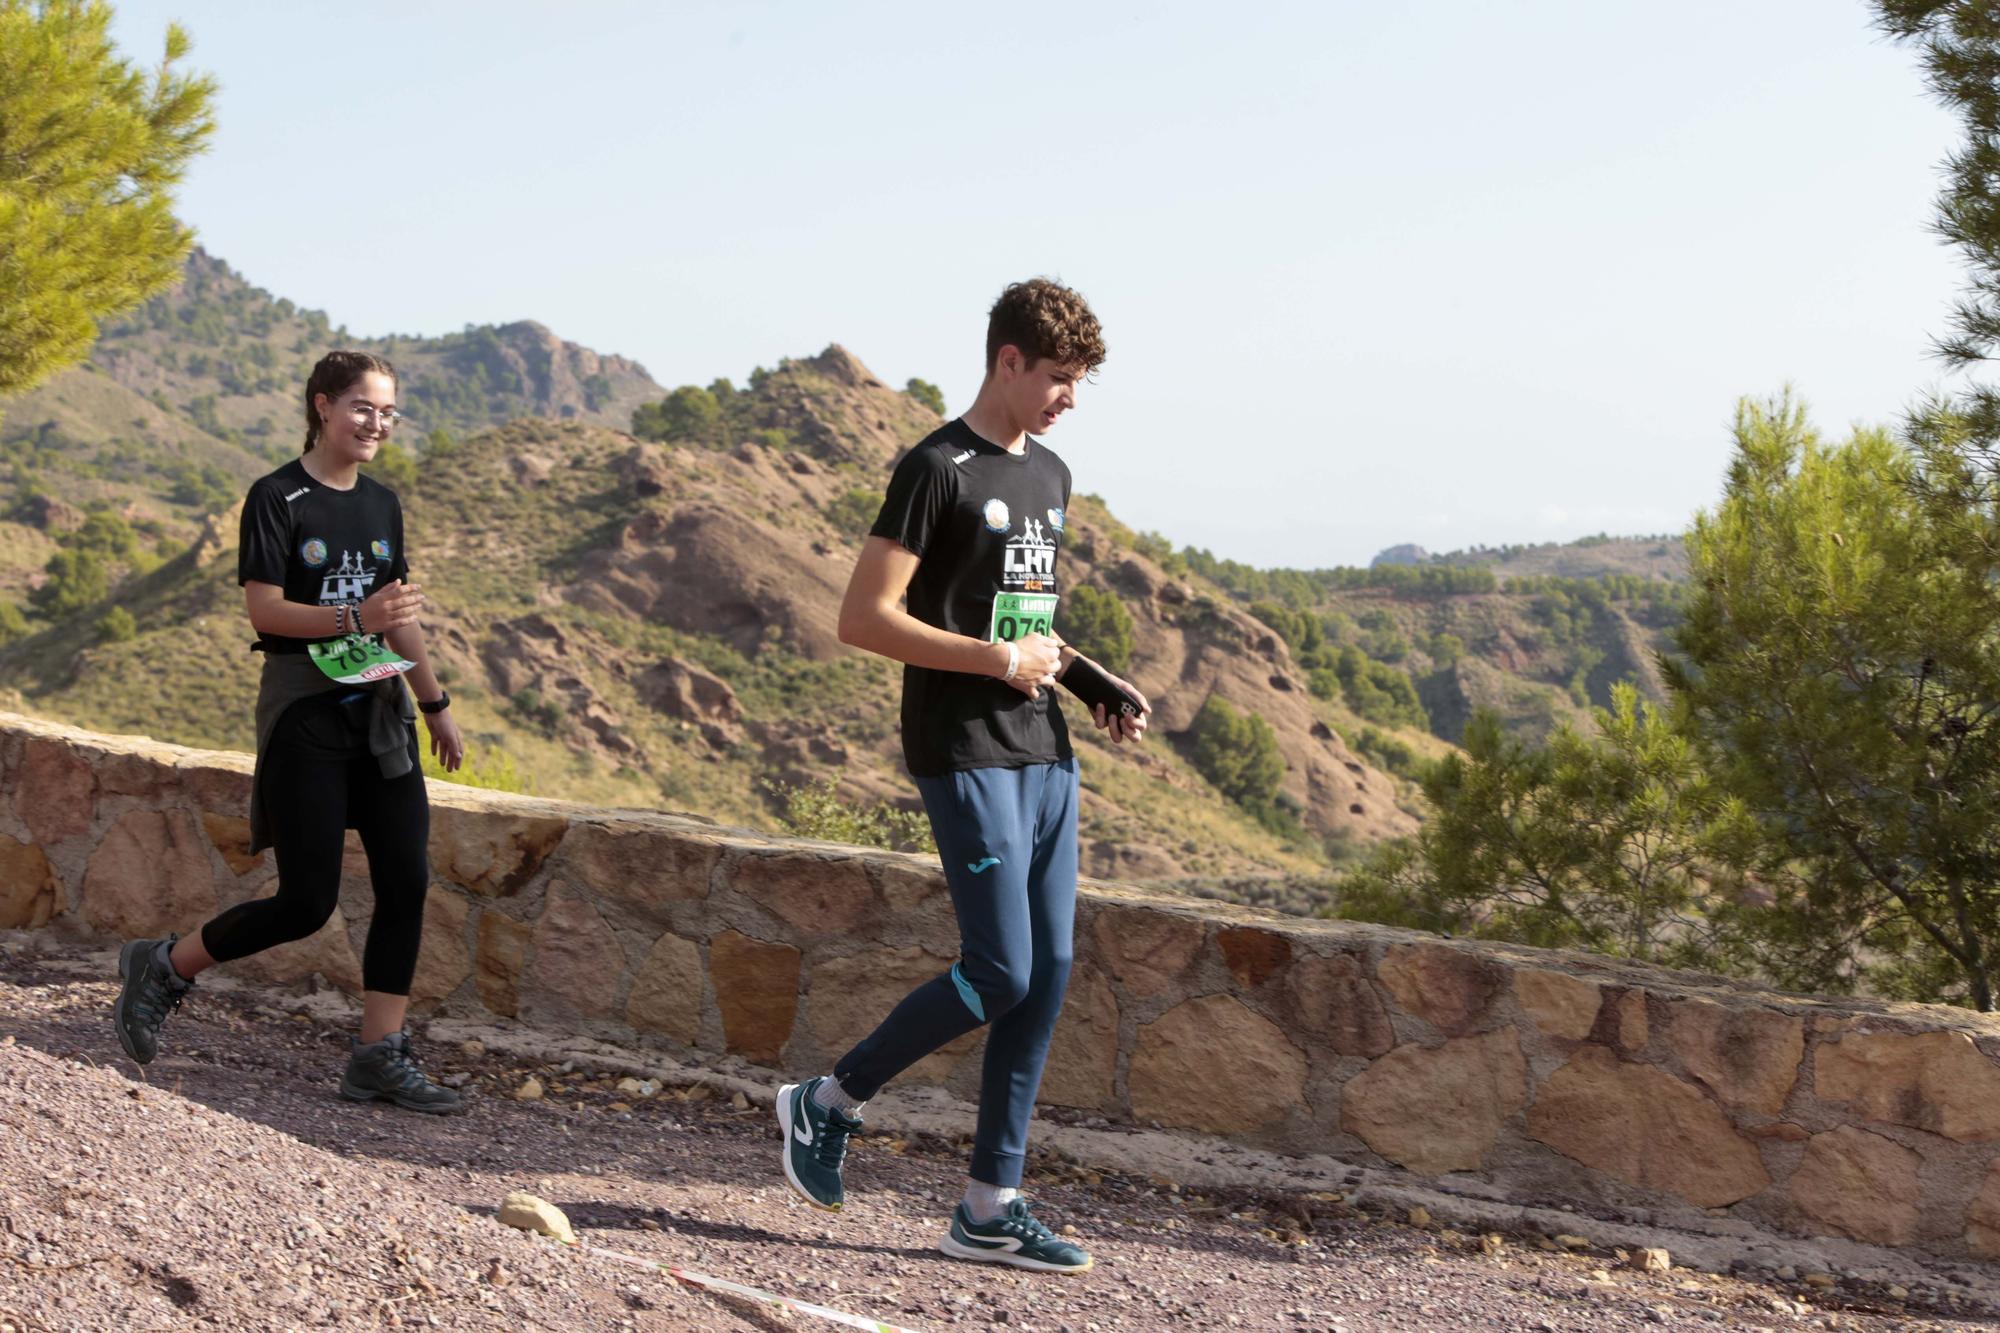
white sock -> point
(830, 1096)
(984, 1202)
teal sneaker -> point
(1015, 1237)
(815, 1144)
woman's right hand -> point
(391, 607)
(1040, 656)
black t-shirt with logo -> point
(319, 544)
(986, 525)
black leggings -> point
(319, 781)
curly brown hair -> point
(1044, 319)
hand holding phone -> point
(1095, 686)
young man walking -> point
(969, 532)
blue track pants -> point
(1008, 840)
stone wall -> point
(1556, 1077)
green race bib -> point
(1019, 613)
(357, 659)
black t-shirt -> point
(320, 545)
(985, 525)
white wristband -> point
(1013, 661)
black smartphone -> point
(1088, 682)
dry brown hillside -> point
(745, 546)
(640, 623)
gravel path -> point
(227, 1184)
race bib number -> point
(357, 659)
(1019, 613)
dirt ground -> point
(227, 1185)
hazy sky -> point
(1448, 273)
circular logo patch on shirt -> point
(997, 518)
(313, 553)
(1056, 519)
(380, 548)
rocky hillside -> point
(636, 622)
(197, 392)
(625, 621)
(1536, 658)
(1422, 646)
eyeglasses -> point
(387, 418)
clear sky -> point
(1467, 271)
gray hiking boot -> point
(386, 1070)
(152, 991)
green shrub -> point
(491, 768)
(206, 488)
(1237, 752)
(76, 579)
(1161, 552)
(925, 392)
(13, 625)
(117, 626)
(536, 711)
(1099, 627)
(395, 467)
(854, 513)
(1375, 690)
(815, 810)
(104, 534)
(688, 415)
(1388, 752)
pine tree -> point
(1098, 625)
(91, 150)
(1238, 753)
(1618, 841)
(1842, 663)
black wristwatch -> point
(437, 705)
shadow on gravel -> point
(606, 1216)
(230, 1053)
(221, 1050)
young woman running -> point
(323, 570)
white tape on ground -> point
(737, 1288)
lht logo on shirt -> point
(1030, 560)
(349, 582)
